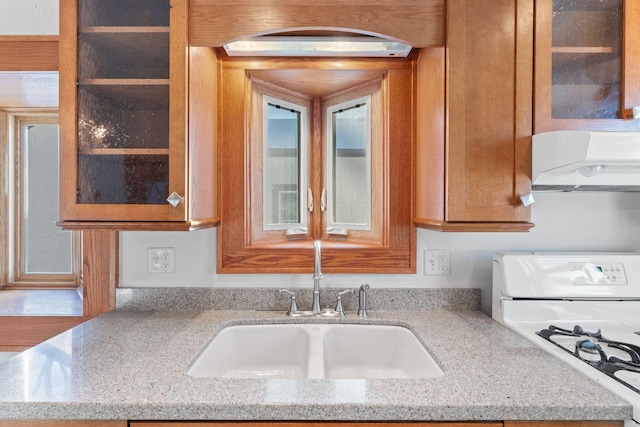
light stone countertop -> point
(130, 364)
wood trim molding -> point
(215, 22)
(29, 53)
(100, 268)
(452, 226)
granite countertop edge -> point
(131, 364)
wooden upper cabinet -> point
(127, 155)
(474, 103)
(587, 65)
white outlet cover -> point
(161, 260)
(437, 262)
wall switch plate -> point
(437, 262)
(161, 260)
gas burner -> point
(590, 351)
(577, 331)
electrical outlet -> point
(161, 260)
(437, 262)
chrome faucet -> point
(317, 276)
(316, 310)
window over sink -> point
(316, 149)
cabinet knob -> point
(631, 113)
(527, 200)
(175, 199)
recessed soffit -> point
(314, 82)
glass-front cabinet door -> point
(586, 64)
(123, 110)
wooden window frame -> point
(13, 257)
(238, 251)
(259, 233)
(379, 146)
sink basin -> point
(332, 351)
(375, 351)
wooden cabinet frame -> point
(630, 74)
(191, 152)
(474, 127)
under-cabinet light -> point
(318, 46)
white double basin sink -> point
(299, 351)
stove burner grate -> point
(606, 364)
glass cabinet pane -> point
(123, 55)
(119, 13)
(586, 59)
(123, 179)
(123, 101)
(111, 116)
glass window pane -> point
(350, 171)
(47, 249)
(283, 157)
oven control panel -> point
(601, 273)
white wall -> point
(29, 17)
(564, 222)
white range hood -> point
(586, 161)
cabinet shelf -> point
(124, 82)
(104, 29)
(582, 49)
(124, 151)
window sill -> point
(40, 302)
(29, 317)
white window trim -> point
(329, 166)
(304, 167)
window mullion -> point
(316, 170)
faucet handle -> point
(339, 307)
(293, 307)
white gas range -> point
(583, 308)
